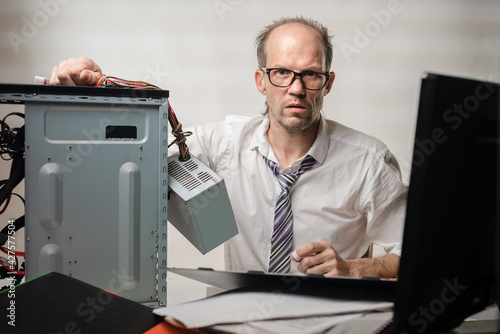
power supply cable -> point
(180, 136)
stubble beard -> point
(302, 124)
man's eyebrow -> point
(307, 69)
(314, 68)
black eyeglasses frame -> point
(295, 75)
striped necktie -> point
(281, 240)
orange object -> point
(166, 328)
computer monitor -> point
(448, 259)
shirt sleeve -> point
(208, 143)
(384, 201)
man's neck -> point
(288, 146)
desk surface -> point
(181, 290)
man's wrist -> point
(386, 266)
(362, 267)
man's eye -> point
(282, 72)
(310, 74)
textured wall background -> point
(203, 52)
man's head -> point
(325, 38)
(304, 47)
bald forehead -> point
(294, 29)
(295, 35)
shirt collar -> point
(318, 150)
(259, 140)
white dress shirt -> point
(352, 197)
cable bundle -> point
(11, 139)
(11, 149)
(180, 136)
(109, 81)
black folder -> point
(56, 303)
(364, 288)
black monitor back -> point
(448, 259)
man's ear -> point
(259, 81)
(329, 84)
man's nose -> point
(297, 86)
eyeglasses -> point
(281, 77)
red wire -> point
(12, 271)
(108, 81)
(8, 252)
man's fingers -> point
(316, 257)
(75, 72)
(64, 74)
(90, 64)
(296, 257)
(89, 78)
(311, 248)
(53, 76)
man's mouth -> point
(296, 107)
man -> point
(342, 189)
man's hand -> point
(76, 72)
(322, 258)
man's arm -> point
(385, 266)
(321, 258)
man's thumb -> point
(89, 77)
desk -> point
(181, 290)
(487, 321)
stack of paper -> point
(275, 312)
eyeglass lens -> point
(310, 79)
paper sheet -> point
(368, 323)
(336, 324)
(308, 325)
(244, 307)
